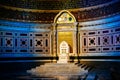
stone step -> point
(85, 67)
(64, 67)
(60, 64)
(54, 74)
(34, 72)
(79, 64)
(89, 69)
(58, 67)
(57, 70)
(53, 69)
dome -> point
(53, 4)
(44, 11)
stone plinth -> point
(63, 58)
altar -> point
(64, 52)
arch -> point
(69, 15)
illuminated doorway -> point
(65, 29)
(68, 38)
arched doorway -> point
(65, 28)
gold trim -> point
(82, 20)
(55, 11)
(56, 17)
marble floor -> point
(101, 70)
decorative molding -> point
(48, 11)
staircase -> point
(61, 71)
